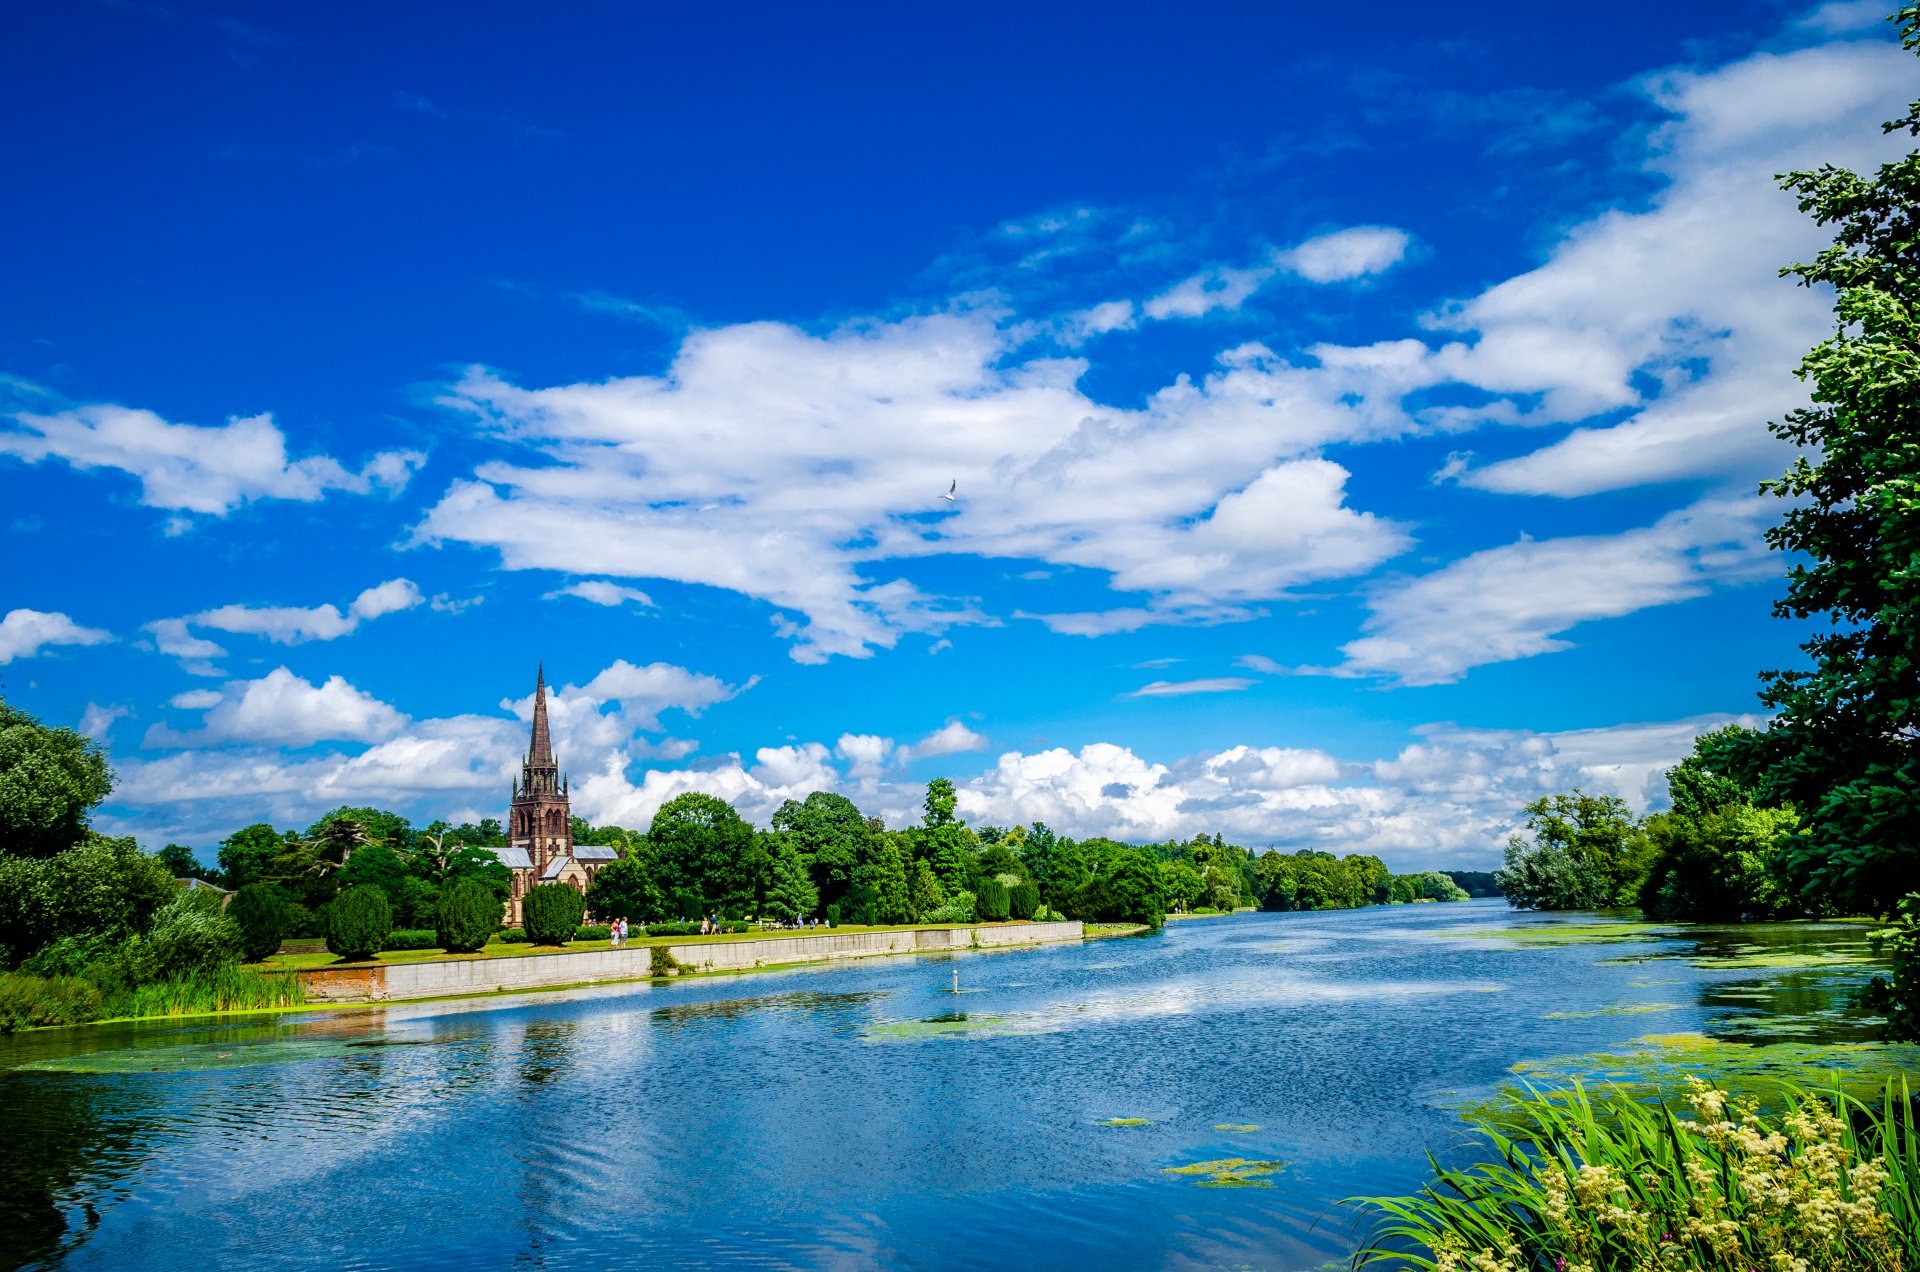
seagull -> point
(950, 489)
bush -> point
(1047, 914)
(102, 885)
(358, 922)
(550, 912)
(467, 916)
(689, 929)
(1023, 899)
(588, 933)
(661, 962)
(959, 910)
(990, 901)
(192, 935)
(411, 939)
(263, 915)
(512, 936)
(33, 1002)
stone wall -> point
(452, 977)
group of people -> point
(617, 933)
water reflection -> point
(760, 1120)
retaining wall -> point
(389, 982)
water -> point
(863, 1115)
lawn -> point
(498, 949)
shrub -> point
(550, 912)
(411, 939)
(1044, 913)
(513, 936)
(957, 910)
(468, 914)
(192, 935)
(229, 989)
(263, 916)
(32, 1002)
(689, 929)
(990, 901)
(1023, 899)
(358, 922)
(661, 962)
(101, 885)
(590, 933)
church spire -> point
(540, 754)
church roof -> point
(554, 867)
(595, 852)
(513, 857)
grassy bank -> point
(34, 1002)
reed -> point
(228, 989)
(1829, 1182)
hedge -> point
(411, 939)
(358, 922)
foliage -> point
(1127, 889)
(358, 922)
(512, 936)
(1433, 885)
(178, 861)
(49, 780)
(34, 1002)
(622, 889)
(1475, 883)
(1828, 1184)
(192, 936)
(830, 834)
(661, 962)
(689, 929)
(959, 908)
(880, 892)
(925, 893)
(98, 886)
(468, 916)
(1046, 914)
(1184, 885)
(1898, 997)
(248, 854)
(412, 939)
(592, 932)
(702, 846)
(1718, 867)
(260, 911)
(228, 989)
(1588, 852)
(790, 891)
(550, 912)
(940, 803)
(1842, 746)
(1023, 899)
(991, 903)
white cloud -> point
(1260, 663)
(1344, 255)
(1516, 601)
(193, 468)
(1203, 293)
(1177, 688)
(281, 709)
(787, 467)
(292, 625)
(601, 592)
(172, 638)
(25, 632)
(951, 738)
(96, 721)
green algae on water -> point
(953, 1024)
(1229, 1172)
(1126, 1121)
(1236, 1126)
(1546, 935)
(1613, 1009)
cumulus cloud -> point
(172, 637)
(951, 738)
(287, 625)
(195, 468)
(1517, 601)
(97, 721)
(1344, 255)
(281, 709)
(25, 632)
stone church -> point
(540, 847)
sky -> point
(1353, 420)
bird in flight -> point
(950, 489)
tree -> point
(331, 842)
(1588, 852)
(178, 860)
(991, 904)
(260, 910)
(623, 889)
(49, 780)
(702, 846)
(830, 834)
(790, 889)
(940, 803)
(359, 921)
(1023, 899)
(467, 916)
(880, 892)
(1843, 747)
(1183, 883)
(192, 935)
(550, 913)
(925, 892)
(247, 855)
(99, 886)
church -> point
(540, 847)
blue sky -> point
(1355, 417)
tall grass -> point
(1828, 1183)
(227, 989)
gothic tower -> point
(540, 820)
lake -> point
(864, 1116)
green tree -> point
(1587, 852)
(702, 846)
(248, 855)
(49, 780)
(179, 861)
(467, 916)
(831, 836)
(790, 891)
(940, 803)
(991, 904)
(1184, 885)
(623, 889)
(925, 892)
(881, 892)
(359, 921)
(99, 886)
(192, 935)
(1843, 747)
(261, 911)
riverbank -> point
(457, 976)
